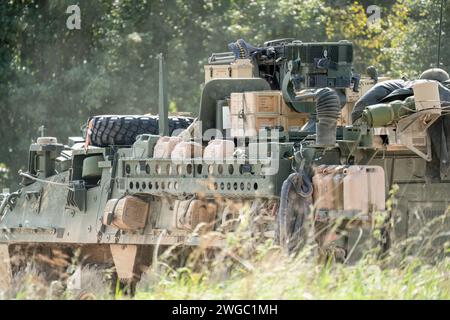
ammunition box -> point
(241, 68)
(294, 122)
(252, 111)
(259, 102)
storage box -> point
(241, 68)
(291, 120)
(294, 122)
(267, 102)
(194, 215)
(262, 122)
(285, 109)
(250, 125)
(252, 111)
(128, 213)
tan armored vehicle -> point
(273, 139)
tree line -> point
(57, 77)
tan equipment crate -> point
(249, 125)
(127, 213)
(195, 215)
(252, 111)
(294, 122)
(291, 120)
(241, 68)
(267, 102)
(286, 110)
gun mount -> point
(298, 69)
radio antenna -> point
(163, 107)
(440, 35)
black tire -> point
(123, 130)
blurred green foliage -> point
(53, 76)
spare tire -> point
(123, 130)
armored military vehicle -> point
(273, 139)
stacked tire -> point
(123, 130)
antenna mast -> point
(163, 101)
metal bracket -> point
(117, 236)
(416, 125)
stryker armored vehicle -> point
(135, 183)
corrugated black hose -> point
(328, 112)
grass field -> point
(247, 269)
(302, 280)
(276, 277)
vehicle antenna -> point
(163, 101)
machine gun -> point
(300, 71)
